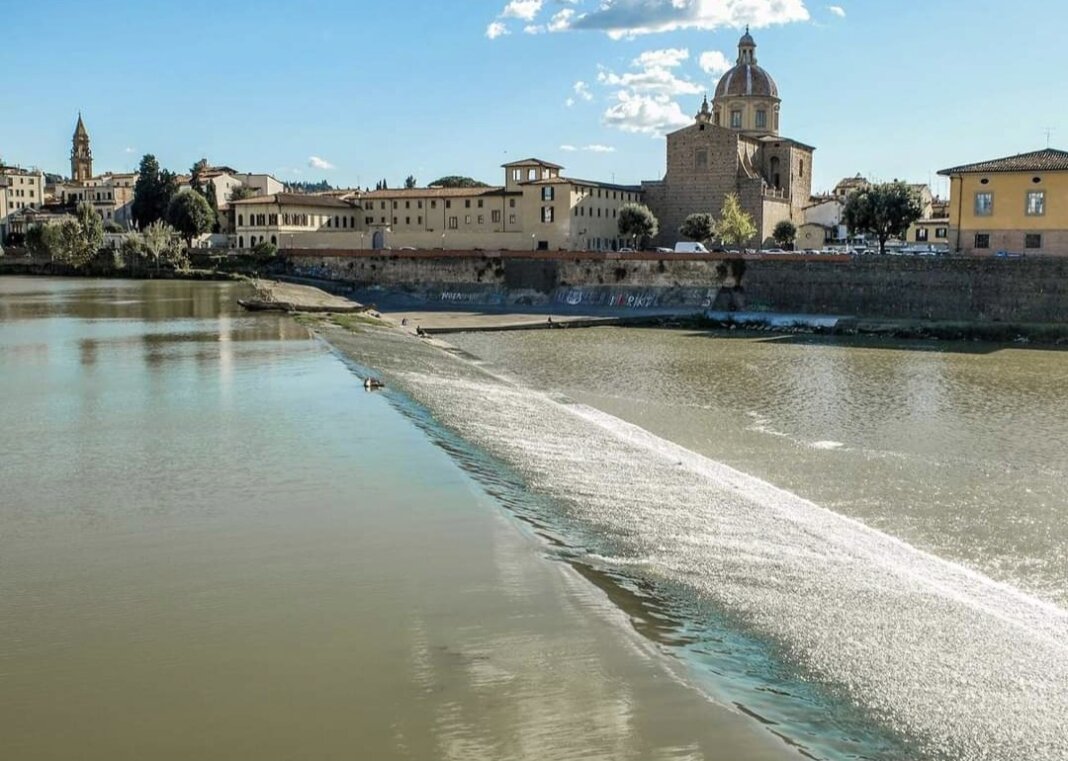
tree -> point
(80, 239)
(884, 211)
(196, 178)
(152, 191)
(190, 214)
(241, 192)
(159, 242)
(42, 241)
(409, 181)
(735, 225)
(637, 223)
(264, 250)
(456, 181)
(785, 233)
(700, 227)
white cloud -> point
(561, 20)
(592, 148)
(525, 10)
(496, 29)
(837, 10)
(127, 150)
(649, 114)
(583, 90)
(318, 163)
(714, 62)
(569, 102)
(667, 58)
(629, 18)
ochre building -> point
(734, 146)
(1017, 204)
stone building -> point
(20, 189)
(734, 146)
(81, 157)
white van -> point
(690, 247)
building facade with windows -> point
(293, 220)
(1016, 204)
(110, 194)
(19, 189)
(734, 146)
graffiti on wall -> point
(630, 298)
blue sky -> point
(384, 88)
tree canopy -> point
(241, 192)
(457, 181)
(785, 233)
(636, 222)
(700, 227)
(190, 214)
(409, 181)
(735, 226)
(152, 191)
(885, 211)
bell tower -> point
(81, 157)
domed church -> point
(734, 146)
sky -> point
(354, 91)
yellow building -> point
(1017, 204)
(294, 220)
(19, 189)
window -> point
(394, 204)
(1036, 203)
(1033, 240)
(394, 220)
(448, 204)
(433, 204)
(383, 220)
(407, 220)
(761, 118)
(517, 174)
(921, 234)
(481, 219)
(272, 220)
(419, 204)
(548, 193)
(511, 219)
(495, 216)
(419, 220)
(532, 174)
(241, 220)
(368, 220)
(467, 219)
(453, 223)
(736, 119)
(546, 214)
(467, 203)
(984, 204)
(480, 203)
(337, 220)
(941, 232)
(382, 205)
(511, 203)
(700, 159)
(982, 240)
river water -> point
(218, 545)
(215, 544)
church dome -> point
(746, 78)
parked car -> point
(773, 251)
(664, 250)
(626, 250)
(690, 247)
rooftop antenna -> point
(1049, 131)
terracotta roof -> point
(549, 164)
(1048, 159)
(587, 183)
(402, 193)
(294, 199)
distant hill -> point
(308, 187)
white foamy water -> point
(965, 667)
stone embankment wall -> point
(1034, 289)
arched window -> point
(240, 241)
(240, 220)
(274, 241)
(775, 171)
(337, 221)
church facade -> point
(734, 146)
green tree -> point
(456, 181)
(42, 241)
(80, 238)
(700, 227)
(264, 250)
(190, 214)
(785, 233)
(409, 181)
(885, 211)
(213, 201)
(636, 222)
(196, 176)
(241, 192)
(152, 191)
(159, 242)
(735, 226)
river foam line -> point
(961, 665)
